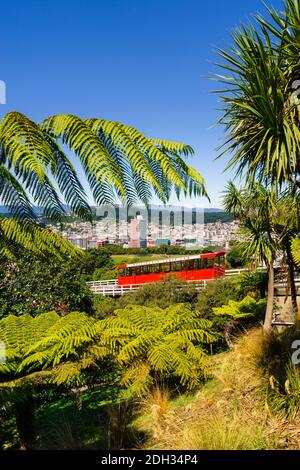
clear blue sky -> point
(142, 62)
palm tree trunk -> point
(270, 302)
(24, 413)
(291, 274)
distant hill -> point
(211, 215)
(213, 210)
(3, 210)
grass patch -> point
(228, 413)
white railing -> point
(109, 282)
(110, 288)
(237, 272)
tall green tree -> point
(117, 160)
(256, 208)
(261, 105)
(259, 95)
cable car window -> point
(153, 268)
(190, 264)
(176, 266)
(144, 269)
(197, 264)
(165, 267)
(157, 268)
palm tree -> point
(119, 162)
(286, 225)
(261, 106)
(260, 110)
(256, 208)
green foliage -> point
(236, 257)
(254, 284)
(94, 262)
(31, 236)
(246, 308)
(295, 246)
(216, 294)
(152, 343)
(45, 352)
(163, 294)
(116, 159)
(36, 284)
(104, 306)
(261, 114)
(260, 211)
(282, 376)
(45, 349)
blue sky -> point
(144, 63)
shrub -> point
(216, 293)
(248, 308)
(283, 377)
(162, 294)
(151, 344)
(33, 284)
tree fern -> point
(43, 343)
(158, 342)
(118, 161)
(246, 308)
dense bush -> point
(236, 257)
(163, 294)
(282, 375)
(35, 284)
(151, 345)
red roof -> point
(173, 260)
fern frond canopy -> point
(150, 342)
(246, 308)
(119, 163)
(45, 349)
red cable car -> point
(189, 268)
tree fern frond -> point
(23, 144)
(35, 238)
(165, 341)
(68, 182)
(78, 136)
(14, 196)
(295, 245)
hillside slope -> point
(230, 412)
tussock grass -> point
(230, 412)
